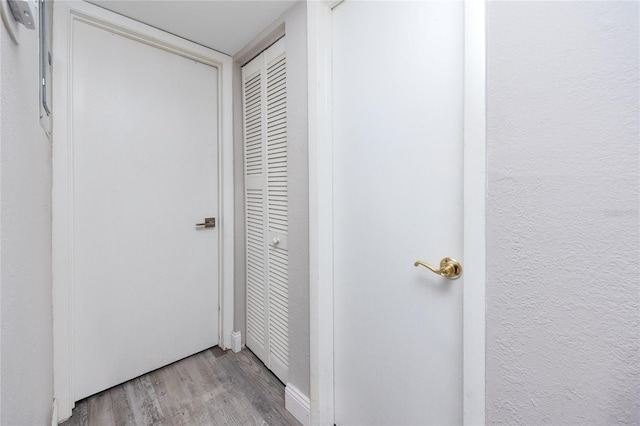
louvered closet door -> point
(266, 206)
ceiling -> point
(225, 25)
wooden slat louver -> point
(253, 125)
(277, 145)
(267, 208)
(255, 265)
(278, 209)
(255, 226)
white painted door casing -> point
(68, 16)
(266, 207)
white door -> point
(144, 152)
(398, 162)
(264, 87)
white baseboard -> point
(54, 413)
(236, 341)
(297, 404)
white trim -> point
(54, 413)
(236, 341)
(297, 404)
(320, 212)
(321, 207)
(62, 196)
(473, 318)
(227, 197)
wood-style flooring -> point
(213, 387)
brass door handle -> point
(449, 268)
(209, 222)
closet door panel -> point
(278, 206)
(255, 212)
(267, 208)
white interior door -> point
(144, 153)
(264, 88)
(398, 162)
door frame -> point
(321, 212)
(65, 14)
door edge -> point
(474, 214)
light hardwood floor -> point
(213, 387)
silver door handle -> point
(209, 222)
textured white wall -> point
(25, 239)
(563, 295)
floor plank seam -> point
(213, 387)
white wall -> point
(563, 311)
(293, 23)
(25, 239)
(296, 29)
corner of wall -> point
(26, 318)
(236, 341)
(298, 147)
(297, 404)
(54, 413)
(2, 35)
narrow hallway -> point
(213, 387)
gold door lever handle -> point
(449, 268)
